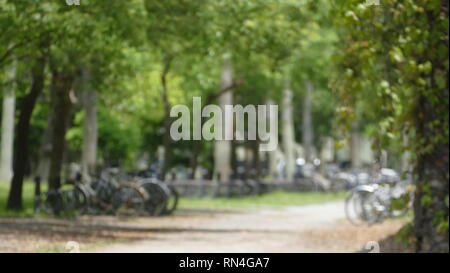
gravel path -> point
(314, 228)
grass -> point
(28, 201)
(274, 199)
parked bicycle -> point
(163, 198)
(374, 202)
(106, 195)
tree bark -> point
(272, 155)
(23, 127)
(60, 98)
(43, 168)
(307, 122)
(8, 116)
(432, 182)
(194, 157)
(431, 208)
(90, 129)
(288, 135)
(197, 144)
(222, 148)
(256, 159)
(167, 141)
(355, 146)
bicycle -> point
(374, 202)
(105, 195)
(163, 198)
(57, 201)
(109, 195)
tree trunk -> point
(45, 150)
(8, 116)
(256, 159)
(90, 130)
(431, 210)
(431, 207)
(307, 122)
(167, 141)
(288, 135)
(272, 155)
(234, 160)
(405, 164)
(432, 185)
(60, 98)
(355, 146)
(23, 126)
(197, 144)
(222, 148)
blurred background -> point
(362, 90)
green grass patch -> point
(274, 199)
(27, 198)
(28, 201)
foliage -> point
(385, 67)
(392, 68)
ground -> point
(307, 228)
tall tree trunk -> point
(45, 150)
(60, 98)
(355, 146)
(431, 208)
(405, 164)
(23, 127)
(288, 135)
(167, 141)
(256, 159)
(8, 116)
(307, 131)
(272, 155)
(234, 160)
(431, 201)
(90, 130)
(222, 148)
(197, 144)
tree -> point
(57, 28)
(90, 127)
(392, 65)
(8, 115)
(23, 127)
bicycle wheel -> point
(53, 202)
(354, 208)
(75, 200)
(172, 200)
(374, 209)
(129, 200)
(364, 207)
(157, 197)
(46, 204)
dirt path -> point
(315, 228)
